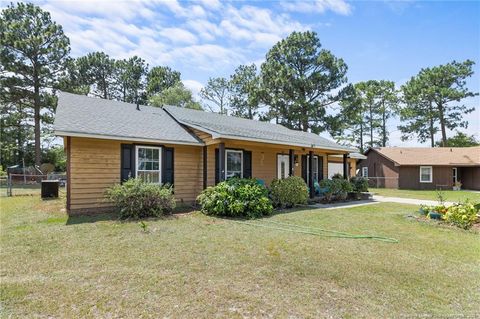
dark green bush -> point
(236, 198)
(337, 188)
(359, 184)
(138, 199)
(337, 176)
(288, 192)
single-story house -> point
(108, 141)
(422, 168)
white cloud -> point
(193, 86)
(318, 6)
(178, 35)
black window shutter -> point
(217, 178)
(127, 162)
(320, 168)
(247, 164)
(167, 166)
(304, 168)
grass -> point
(191, 264)
(450, 195)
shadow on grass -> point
(113, 216)
(91, 218)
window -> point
(148, 167)
(233, 164)
(425, 174)
(455, 175)
(364, 171)
(315, 168)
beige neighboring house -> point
(109, 141)
(422, 168)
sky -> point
(382, 40)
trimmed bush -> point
(138, 199)
(337, 188)
(359, 184)
(461, 215)
(236, 198)
(288, 192)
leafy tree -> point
(245, 91)
(97, 70)
(33, 50)
(298, 81)
(130, 79)
(430, 98)
(160, 78)
(177, 95)
(217, 91)
(461, 140)
(71, 80)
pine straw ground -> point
(191, 265)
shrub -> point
(461, 215)
(288, 192)
(337, 176)
(138, 199)
(337, 188)
(359, 184)
(236, 198)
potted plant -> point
(457, 186)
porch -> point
(226, 158)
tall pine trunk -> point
(36, 105)
(371, 124)
(384, 126)
(432, 137)
(442, 125)
(361, 136)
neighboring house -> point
(422, 168)
(109, 141)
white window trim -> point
(159, 148)
(431, 174)
(365, 171)
(456, 174)
(226, 159)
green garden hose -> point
(314, 230)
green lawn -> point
(450, 195)
(197, 266)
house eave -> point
(124, 138)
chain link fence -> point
(28, 184)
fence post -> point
(9, 185)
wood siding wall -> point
(264, 160)
(95, 165)
(469, 177)
(383, 172)
(410, 178)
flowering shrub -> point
(461, 215)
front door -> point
(283, 162)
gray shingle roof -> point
(237, 128)
(79, 115)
